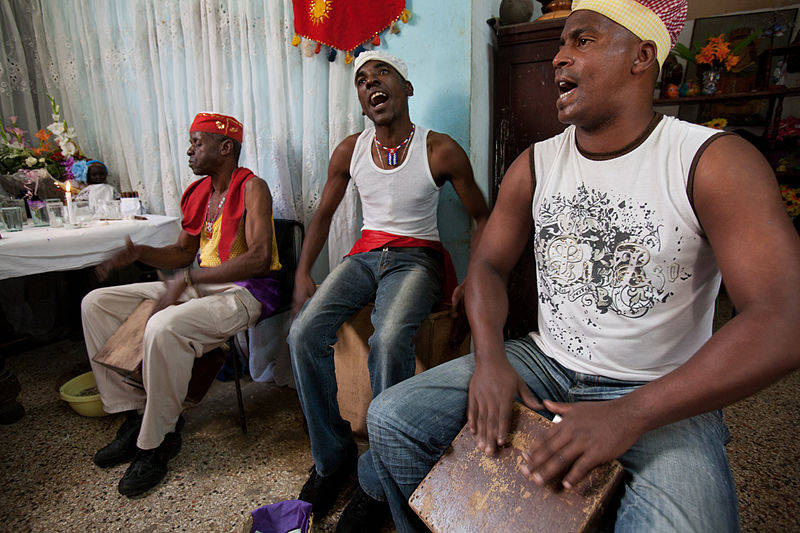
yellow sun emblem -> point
(319, 10)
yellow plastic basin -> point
(86, 404)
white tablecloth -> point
(46, 249)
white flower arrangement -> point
(64, 136)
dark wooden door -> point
(525, 112)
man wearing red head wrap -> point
(635, 218)
(227, 225)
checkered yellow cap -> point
(659, 21)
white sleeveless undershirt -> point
(401, 200)
(626, 278)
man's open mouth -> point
(377, 98)
(565, 88)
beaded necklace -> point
(391, 153)
(209, 224)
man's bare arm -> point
(317, 232)
(495, 383)
(178, 255)
(758, 252)
(450, 162)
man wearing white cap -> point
(399, 169)
(635, 218)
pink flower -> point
(13, 119)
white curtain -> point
(131, 74)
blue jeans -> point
(405, 284)
(680, 479)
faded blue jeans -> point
(405, 284)
(680, 479)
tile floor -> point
(50, 484)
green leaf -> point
(747, 40)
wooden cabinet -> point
(524, 112)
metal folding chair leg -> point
(237, 374)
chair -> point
(289, 235)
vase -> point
(515, 11)
(710, 81)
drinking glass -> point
(82, 212)
(39, 213)
(108, 210)
(15, 202)
(57, 212)
(12, 217)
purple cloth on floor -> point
(266, 291)
(282, 517)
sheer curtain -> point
(130, 76)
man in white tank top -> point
(634, 216)
(399, 170)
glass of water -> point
(56, 211)
(12, 218)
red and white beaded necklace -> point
(391, 153)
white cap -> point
(377, 55)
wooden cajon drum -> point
(122, 353)
(468, 491)
(432, 346)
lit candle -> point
(69, 206)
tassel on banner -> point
(348, 58)
(358, 50)
(296, 40)
(332, 54)
(307, 47)
(394, 28)
(405, 16)
(318, 48)
(376, 40)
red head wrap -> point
(216, 123)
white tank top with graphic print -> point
(626, 278)
(401, 200)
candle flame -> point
(68, 186)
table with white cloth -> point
(36, 251)
(44, 249)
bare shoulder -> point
(256, 189)
(437, 141)
(343, 153)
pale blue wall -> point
(436, 45)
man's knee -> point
(157, 328)
(300, 333)
(91, 302)
(390, 337)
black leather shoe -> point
(149, 467)
(362, 514)
(320, 491)
(123, 447)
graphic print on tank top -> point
(598, 250)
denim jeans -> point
(405, 284)
(680, 479)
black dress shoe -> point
(123, 447)
(149, 467)
(320, 491)
(362, 514)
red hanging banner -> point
(344, 24)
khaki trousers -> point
(173, 338)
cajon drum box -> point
(122, 352)
(468, 491)
(432, 346)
